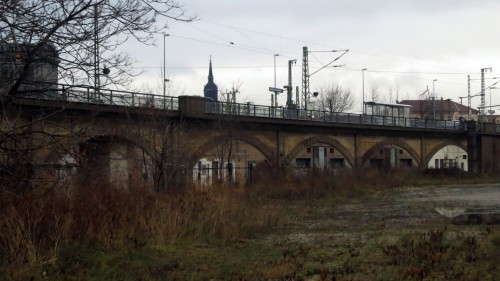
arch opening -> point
(390, 156)
(235, 162)
(449, 156)
(320, 153)
(110, 160)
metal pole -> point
(363, 77)
(97, 82)
(164, 68)
(434, 99)
(483, 100)
(305, 76)
(275, 93)
(468, 98)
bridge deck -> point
(117, 98)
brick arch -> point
(53, 155)
(215, 141)
(320, 139)
(395, 142)
(441, 145)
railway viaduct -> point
(128, 143)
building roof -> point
(448, 105)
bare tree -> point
(79, 36)
(161, 151)
(334, 98)
(377, 95)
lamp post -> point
(165, 80)
(434, 99)
(273, 100)
(363, 82)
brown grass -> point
(36, 225)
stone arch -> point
(413, 153)
(215, 141)
(320, 139)
(442, 145)
(114, 159)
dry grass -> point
(34, 225)
(42, 227)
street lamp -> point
(363, 82)
(165, 80)
(434, 99)
(273, 100)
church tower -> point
(210, 91)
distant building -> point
(493, 118)
(210, 91)
(445, 109)
(42, 69)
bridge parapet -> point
(193, 106)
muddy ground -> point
(400, 209)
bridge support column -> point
(280, 145)
(473, 148)
(358, 157)
(423, 153)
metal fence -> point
(85, 94)
(252, 110)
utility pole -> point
(483, 99)
(468, 98)
(297, 97)
(97, 80)
(165, 80)
(434, 100)
(305, 76)
(363, 78)
(289, 87)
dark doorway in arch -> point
(376, 163)
(337, 163)
(405, 163)
(320, 157)
(390, 157)
(303, 162)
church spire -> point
(210, 91)
(210, 74)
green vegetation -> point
(280, 228)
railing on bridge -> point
(85, 94)
(252, 110)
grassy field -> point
(314, 228)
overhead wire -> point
(324, 45)
(265, 50)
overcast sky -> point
(404, 45)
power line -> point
(321, 44)
(230, 45)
